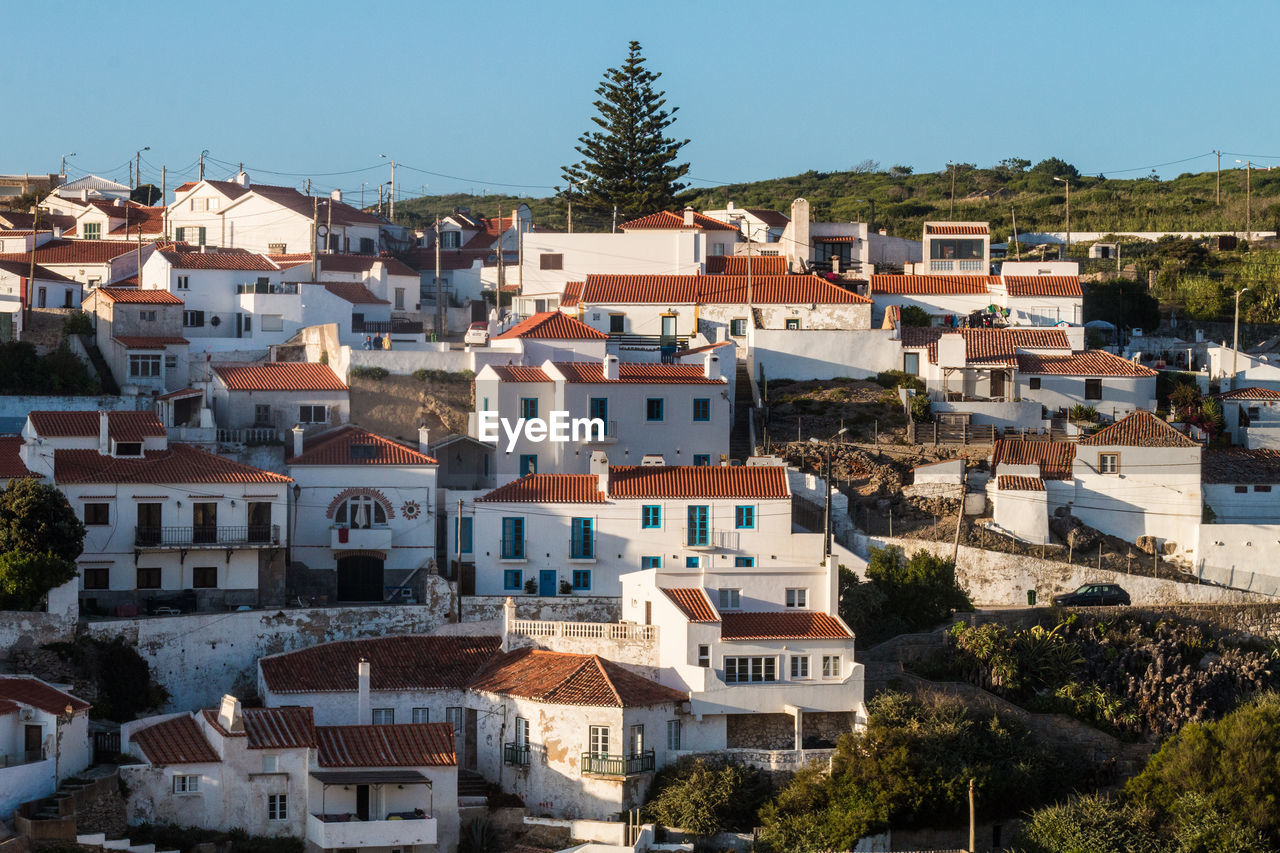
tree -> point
(147, 194)
(914, 315)
(706, 797)
(1055, 168)
(40, 538)
(1013, 165)
(629, 161)
(922, 591)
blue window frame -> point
(513, 538)
(528, 407)
(744, 518)
(651, 562)
(702, 460)
(528, 464)
(653, 409)
(692, 562)
(702, 408)
(513, 579)
(699, 525)
(599, 408)
(744, 562)
(582, 544)
(462, 534)
(582, 579)
(650, 516)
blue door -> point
(547, 582)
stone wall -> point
(21, 630)
(760, 731)
(566, 608)
(823, 728)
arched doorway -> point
(360, 578)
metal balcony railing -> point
(512, 549)
(617, 765)
(515, 754)
(208, 536)
(267, 287)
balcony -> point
(360, 538)
(267, 287)
(515, 754)
(628, 631)
(386, 327)
(969, 266)
(250, 436)
(208, 536)
(703, 539)
(617, 765)
(610, 434)
(344, 831)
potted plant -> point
(566, 588)
(531, 586)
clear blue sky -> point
(497, 92)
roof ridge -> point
(604, 673)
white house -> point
(90, 262)
(48, 290)
(552, 260)
(227, 294)
(44, 738)
(140, 333)
(366, 515)
(680, 410)
(92, 185)
(117, 220)
(955, 248)
(550, 336)
(757, 225)
(1242, 486)
(162, 521)
(272, 397)
(1253, 416)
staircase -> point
(471, 787)
(98, 839)
(740, 435)
(105, 379)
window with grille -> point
(277, 806)
(739, 670)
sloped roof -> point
(784, 625)
(1043, 285)
(772, 218)
(572, 294)
(933, 284)
(225, 259)
(23, 269)
(959, 229)
(76, 251)
(518, 373)
(1249, 394)
(1239, 465)
(407, 662)
(289, 727)
(636, 373)
(1138, 429)
(38, 694)
(666, 220)
(353, 292)
(175, 741)
(403, 745)
(362, 264)
(11, 467)
(698, 481)
(180, 463)
(279, 376)
(553, 325)
(737, 265)
(150, 341)
(336, 448)
(121, 426)
(135, 296)
(1088, 363)
(693, 603)
(1014, 483)
(987, 345)
(547, 488)
(716, 289)
(567, 679)
(1053, 457)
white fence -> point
(584, 630)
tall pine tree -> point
(629, 161)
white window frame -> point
(635, 739)
(832, 666)
(800, 667)
(307, 414)
(750, 669)
(277, 807)
(186, 784)
(797, 598)
(730, 599)
(704, 655)
(422, 715)
(522, 732)
(598, 740)
(383, 716)
(674, 735)
(1108, 463)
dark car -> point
(1093, 595)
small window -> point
(744, 562)
(673, 734)
(384, 716)
(651, 516)
(1262, 488)
(651, 562)
(422, 715)
(1242, 490)
(598, 740)
(204, 577)
(702, 460)
(513, 580)
(702, 408)
(798, 598)
(277, 806)
(582, 543)
(831, 667)
(738, 327)
(581, 580)
(793, 323)
(366, 246)
(744, 518)
(271, 323)
(184, 282)
(730, 599)
(147, 316)
(96, 578)
(653, 409)
(192, 319)
(704, 656)
(170, 361)
(528, 408)
(186, 784)
(528, 464)
(1093, 389)
(399, 299)
(911, 363)
(617, 324)
(799, 666)
(692, 562)
(1034, 383)
(1108, 463)
(97, 514)
(270, 763)
(551, 261)
(522, 731)
(261, 415)
(312, 414)
(128, 448)
(148, 578)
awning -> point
(370, 777)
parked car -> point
(477, 334)
(1093, 595)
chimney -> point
(84, 195)
(364, 714)
(336, 195)
(298, 433)
(508, 616)
(104, 438)
(688, 217)
(729, 206)
(799, 251)
(117, 203)
(711, 366)
(610, 367)
(242, 178)
(424, 440)
(600, 468)
(229, 715)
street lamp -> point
(63, 173)
(393, 186)
(827, 511)
(137, 166)
(1248, 180)
(1067, 181)
(1235, 342)
(363, 184)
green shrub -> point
(77, 323)
(899, 379)
(914, 315)
(1081, 412)
(706, 797)
(377, 374)
(921, 409)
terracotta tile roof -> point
(548, 488)
(1053, 457)
(1043, 285)
(567, 679)
(76, 251)
(693, 603)
(772, 218)
(180, 463)
(998, 345)
(289, 727)
(230, 189)
(7, 707)
(279, 376)
(176, 741)
(150, 341)
(1249, 394)
(572, 294)
(1088, 363)
(226, 259)
(555, 325)
(1138, 429)
(957, 230)
(715, 289)
(150, 218)
(676, 289)
(27, 221)
(1013, 483)
(409, 662)
(336, 448)
(666, 220)
(38, 694)
(781, 625)
(361, 264)
(403, 745)
(517, 373)
(23, 269)
(835, 238)
(637, 373)
(690, 481)
(353, 292)
(134, 296)
(121, 426)
(933, 284)
(737, 265)
(11, 467)
(685, 353)
(1238, 465)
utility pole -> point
(315, 223)
(164, 204)
(750, 294)
(202, 153)
(31, 272)
(328, 226)
(1017, 247)
(1067, 247)
(955, 549)
(137, 171)
(519, 248)
(1235, 341)
(500, 271)
(380, 199)
(1217, 185)
(440, 314)
(972, 821)
(615, 219)
(132, 185)
(63, 172)
(393, 190)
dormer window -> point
(128, 448)
(364, 451)
(450, 239)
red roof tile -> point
(11, 467)
(572, 294)
(717, 289)
(555, 325)
(1238, 465)
(636, 372)
(134, 296)
(37, 694)
(737, 265)
(516, 373)
(1014, 483)
(567, 679)
(23, 269)
(121, 426)
(180, 463)
(689, 481)
(289, 727)
(772, 218)
(1043, 285)
(666, 220)
(337, 448)
(404, 745)
(76, 251)
(987, 345)
(225, 259)
(353, 292)
(1053, 457)
(965, 229)
(781, 625)
(1249, 394)
(279, 376)
(835, 238)
(933, 284)
(547, 488)
(413, 662)
(150, 342)
(1087, 363)
(1138, 429)
(176, 741)
(693, 603)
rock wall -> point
(760, 731)
(566, 608)
(824, 728)
(21, 630)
